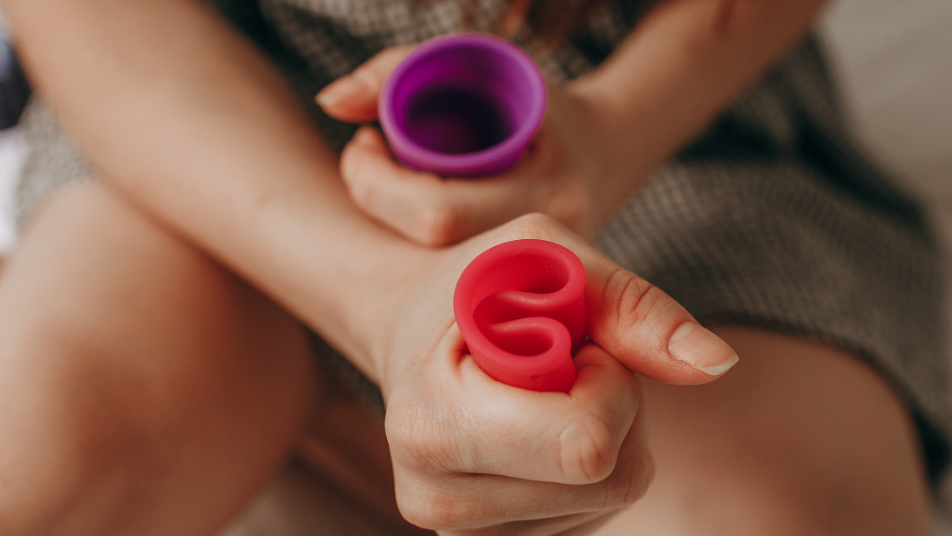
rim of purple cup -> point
(483, 162)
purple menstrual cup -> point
(464, 106)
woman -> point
(174, 385)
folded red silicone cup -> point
(520, 307)
(463, 106)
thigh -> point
(798, 438)
(143, 387)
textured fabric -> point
(771, 218)
(52, 161)
(14, 89)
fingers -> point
(567, 525)
(465, 500)
(512, 508)
(483, 426)
(574, 439)
(422, 206)
(637, 323)
(353, 97)
(647, 330)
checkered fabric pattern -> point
(771, 218)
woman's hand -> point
(603, 135)
(567, 172)
(472, 455)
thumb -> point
(647, 330)
(353, 97)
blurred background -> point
(893, 63)
(13, 93)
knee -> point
(86, 423)
(67, 423)
(801, 439)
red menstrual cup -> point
(463, 106)
(521, 309)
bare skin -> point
(191, 377)
(672, 74)
(786, 478)
(722, 452)
(110, 425)
(149, 391)
(798, 438)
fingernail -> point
(357, 85)
(698, 347)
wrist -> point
(366, 308)
(613, 137)
(380, 316)
(337, 271)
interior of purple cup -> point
(465, 96)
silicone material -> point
(521, 309)
(463, 106)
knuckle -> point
(409, 434)
(635, 298)
(630, 483)
(433, 508)
(419, 443)
(353, 172)
(362, 192)
(533, 225)
(437, 225)
(572, 205)
(352, 164)
(588, 451)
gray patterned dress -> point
(771, 218)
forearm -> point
(190, 123)
(683, 64)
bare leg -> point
(143, 388)
(303, 503)
(797, 439)
(340, 482)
